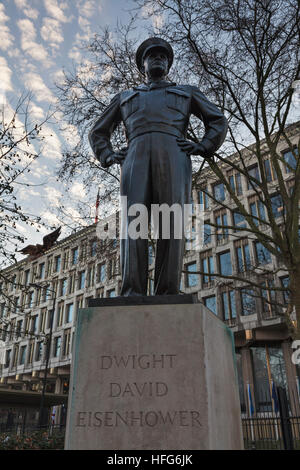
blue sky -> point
(38, 39)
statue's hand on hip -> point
(117, 157)
(191, 148)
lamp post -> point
(48, 344)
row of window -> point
(34, 351)
(247, 301)
(235, 179)
(221, 224)
(56, 264)
(242, 260)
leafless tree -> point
(244, 55)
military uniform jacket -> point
(162, 107)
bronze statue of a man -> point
(156, 168)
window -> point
(39, 351)
(69, 313)
(90, 276)
(112, 268)
(211, 303)
(269, 296)
(277, 205)
(285, 281)
(63, 287)
(60, 314)
(191, 278)
(19, 328)
(67, 342)
(257, 210)
(29, 300)
(41, 270)
(34, 321)
(79, 302)
(22, 355)
(57, 263)
(248, 303)
(242, 256)
(253, 174)
(270, 173)
(49, 266)
(57, 346)
(26, 277)
(268, 366)
(228, 305)
(290, 160)
(207, 265)
(262, 254)
(222, 225)
(239, 220)
(75, 255)
(72, 279)
(219, 192)
(235, 182)
(66, 260)
(93, 247)
(101, 272)
(30, 352)
(111, 293)
(43, 320)
(81, 280)
(204, 198)
(207, 233)
(150, 254)
(7, 358)
(225, 263)
(15, 356)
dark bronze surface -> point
(156, 166)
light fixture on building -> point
(52, 371)
(249, 335)
(34, 373)
(2, 380)
(18, 377)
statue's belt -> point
(161, 128)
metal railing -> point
(277, 428)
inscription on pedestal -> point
(120, 390)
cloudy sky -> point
(38, 39)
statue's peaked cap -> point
(151, 43)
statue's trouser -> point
(155, 171)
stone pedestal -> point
(153, 377)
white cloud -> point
(6, 38)
(34, 82)
(28, 43)
(51, 32)
(78, 190)
(56, 10)
(27, 9)
(53, 195)
(36, 112)
(148, 11)
(51, 144)
(50, 218)
(5, 74)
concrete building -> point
(81, 267)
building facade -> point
(41, 300)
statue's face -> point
(156, 63)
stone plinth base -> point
(153, 377)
